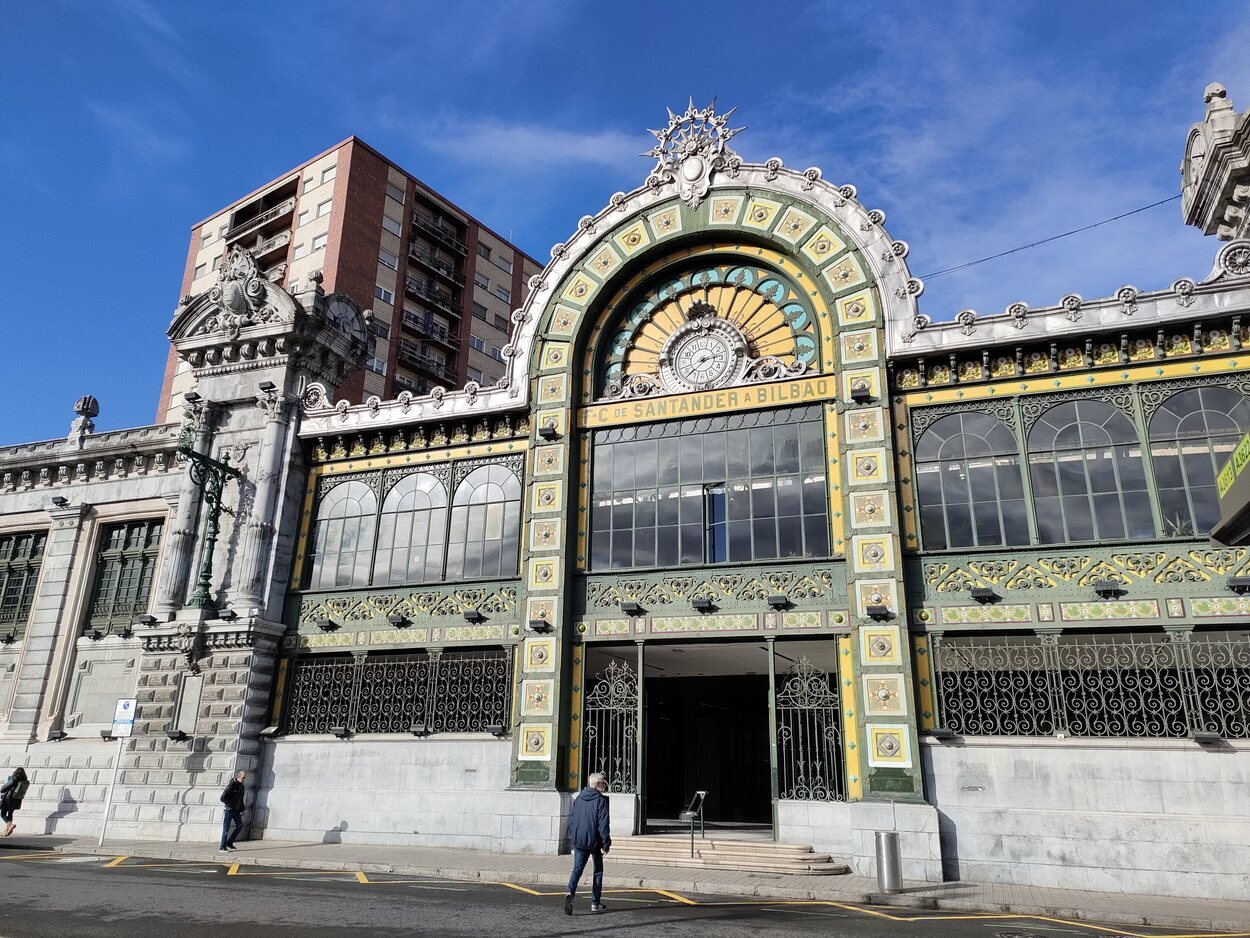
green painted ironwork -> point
(210, 476)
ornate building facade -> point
(738, 518)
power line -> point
(1025, 247)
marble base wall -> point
(447, 791)
(1163, 818)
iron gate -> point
(610, 718)
(809, 737)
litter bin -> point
(889, 862)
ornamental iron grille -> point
(809, 741)
(125, 569)
(1141, 685)
(453, 692)
(610, 717)
(21, 556)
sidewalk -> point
(551, 871)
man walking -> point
(590, 835)
(232, 798)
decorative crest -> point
(691, 148)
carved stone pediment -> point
(244, 318)
(241, 300)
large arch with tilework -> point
(822, 278)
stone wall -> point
(846, 831)
(1159, 817)
(446, 791)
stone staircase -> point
(755, 856)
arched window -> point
(1192, 434)
(1085, 464)
(343, 536)
(411, 531)
(968, 484)
(485, 525)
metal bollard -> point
(889, 862)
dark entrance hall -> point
(708, 733)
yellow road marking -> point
(526, 889)
(683, 900)
(674, 896)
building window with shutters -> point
(125, 568)
(21, 556)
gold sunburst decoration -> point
(776, 327)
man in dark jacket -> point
(232, 798)
(590, 835)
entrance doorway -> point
(708, 734)
(699, 718)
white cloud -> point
(139, 133)
(532, 147)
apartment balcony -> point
(413, 358)
(440, 298)
(427, 223)
(430, 330)
(283, 208)
(266, 246)
(433, 264)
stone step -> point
(745, 855)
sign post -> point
(123, 727)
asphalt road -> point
(58, 896)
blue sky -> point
(976, 127)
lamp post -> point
(210, 476)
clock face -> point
(704, 359)
(342, 313)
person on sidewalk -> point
(590, 835)
(11, 794)
(232, 798)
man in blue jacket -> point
(590, 835)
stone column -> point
(258, 535)
(171, 587)
(58, 583)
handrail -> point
(268, 215)
(433, 294)
(431, 225)
(444, 268)
(430, 329)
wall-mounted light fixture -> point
(340, 731)
(1108, 589)
(541, 626)
(473, 615)
(496, 729)
(326, 625)
(984, 594)
(779, 601)
(1238, 584)
(702, 605)
(60, 501)
(631, 609)
(397, 619)
(419, 729)
(176, 736)
(548, 430)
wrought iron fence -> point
(610, 718)
(809, 744)
(452, 692)
(1142, 685)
